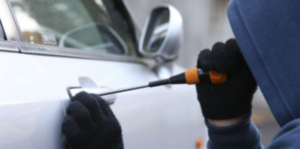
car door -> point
(30, 108)
(95, 39)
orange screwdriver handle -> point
(218, 78)
(192, 77)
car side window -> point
(92, 25)
(1, 32)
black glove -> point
(232, 99)
(91, 124)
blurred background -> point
(206, 22)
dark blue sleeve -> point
(243, 135)
(288, 136)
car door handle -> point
(90, 86)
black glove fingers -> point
(91, 104)
(220, 57)
(235, 56)
(70, 129)
(104, 106)
(206, 60)
(227, 57)
(80, 114)
(199, 59)
(232, 45)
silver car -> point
(52, 49)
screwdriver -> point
(191, 76)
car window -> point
(1, 32)
(94, 25)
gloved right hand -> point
(233, 98)
(91, 124)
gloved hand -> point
(232, 99)
(90, 124)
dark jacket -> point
(268, 33)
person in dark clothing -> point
(264, 54)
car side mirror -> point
(162, 35)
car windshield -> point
(95, 25)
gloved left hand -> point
(91, 124)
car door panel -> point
(30, 109)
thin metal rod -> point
(123, 90)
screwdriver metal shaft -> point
(123, 90)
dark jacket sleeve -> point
(243, 135)
(288, 136)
